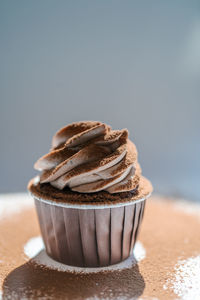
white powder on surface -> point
(33, 246)
(34, 249)
(185, 283)
(139, 251)
(180, 204)
(188, 207)
(14, 203)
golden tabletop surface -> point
(165, 264)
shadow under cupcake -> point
(34, 281)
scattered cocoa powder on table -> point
(168, 235)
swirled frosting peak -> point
(90, 157)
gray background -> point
(133, 64)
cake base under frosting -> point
(47, 192)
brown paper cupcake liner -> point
(89, 237)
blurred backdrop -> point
(133, 64)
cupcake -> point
(90, 195)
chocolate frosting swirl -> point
(89, 157)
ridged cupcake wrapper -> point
(89, 237)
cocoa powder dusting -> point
(94, 147)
